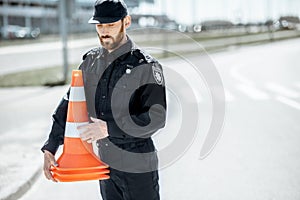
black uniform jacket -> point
(125, 88)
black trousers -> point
(130, 186)
(131, 177)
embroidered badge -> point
(157, 74)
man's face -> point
(111, 34)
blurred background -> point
(32, 18)
(253, 47)
(40, 21)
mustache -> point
(105, 36)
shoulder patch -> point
(92, 52)
(157, 74)
(144, 55)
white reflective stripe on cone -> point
(71, 129)
(77, 94)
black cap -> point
(108, 11)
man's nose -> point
(104, 31)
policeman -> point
(126, 101)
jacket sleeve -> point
(147, 105)
(59, 118)
(56, 136)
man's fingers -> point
(88, 138)
(52, 161)
(101, 122)
(48, 175)
(85, 131)
(93, 131)
(49, 160)
(95, 119)
(85, 137)
(86, 126)
(89, 141)
(86, 134)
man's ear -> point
(127, 21)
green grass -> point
(39, 77)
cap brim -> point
(93, 21)
(103, 20)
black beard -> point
(115, 41)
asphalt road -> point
(42, 55)
(257, 155)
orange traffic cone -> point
(78, 161)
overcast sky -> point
(187, 11)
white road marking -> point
(253, 92)
(281, 90)
(235, 74)
(288, 102)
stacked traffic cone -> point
(78, 161)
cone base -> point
(80, 177)
(79, 169)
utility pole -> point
(63, 21)
(27, 16)
(165, 31)
(269, 11)
(5, 18)
(194, 12)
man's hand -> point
(49, 160)
(93, 131)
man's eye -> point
(110, 25)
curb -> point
(24, 187)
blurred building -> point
(44, 14)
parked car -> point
(194, 28)
(288, 23)
(210, 25)
(19, 32)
